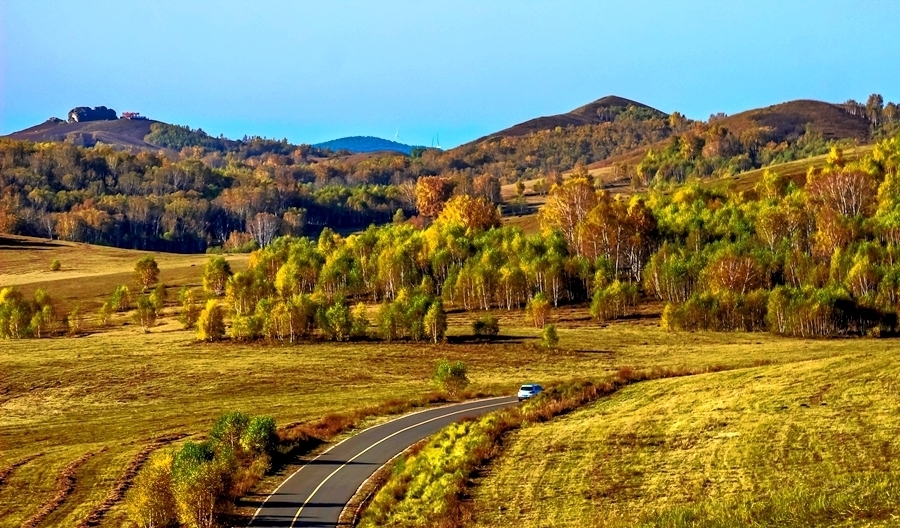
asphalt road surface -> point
(315, 494)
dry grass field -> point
(805, 443)
(89, 274)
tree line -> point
(817, 260)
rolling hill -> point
(600, 111)
(790, 119)
(122, 133)
(360, 144)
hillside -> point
(785, 121)
(790, 119)
(360, 144)
(123, 133)
(600, 111)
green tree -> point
(260, 435)
(146, 272)
(215, 275)
(144, 313)
(229, 429)
(549, 336)
(198, 485)
(190, 308)
(158, 297)
(436, 321)
(451, 376)
(121, 299)
(336, 322)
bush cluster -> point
(196, 484)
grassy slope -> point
(89, 273)
(800, 444)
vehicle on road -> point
(529, 391)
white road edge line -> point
(323, 453)
(364, 451)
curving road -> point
(315, 494)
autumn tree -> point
(149, 501)
(474, 214)
(190, 308)
(146, 272)
(567, 206)
(538, 310)
(211, 322)
(846, 192)
(432, 192)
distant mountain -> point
(600, 111)
(357, 144)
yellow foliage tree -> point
(149, 501)
(474, 214)
(211, 324)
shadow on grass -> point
(18, 245)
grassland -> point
(89, 274)
(807, 443)
(63, 398)
(104, 397)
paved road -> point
(315, 495)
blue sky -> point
(317, 70)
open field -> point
(808, 443)
(89, 274)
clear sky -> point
(317, 70)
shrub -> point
(211, 323)
(549, 336)
(259, 435)
(451, 377)
(486, 326)
(55, 265)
